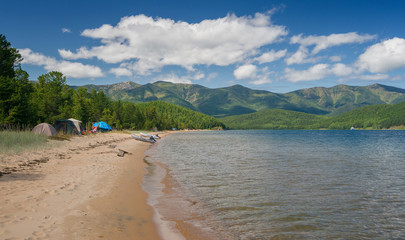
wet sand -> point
(78, 189)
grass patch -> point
(20, 141)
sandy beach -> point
(77, 189)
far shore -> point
(77, 189)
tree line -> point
(274, 119)
(378, 116)
(25, 102)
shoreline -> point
(80, 190)
(178, 210)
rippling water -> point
(291, 184)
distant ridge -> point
(377, 116)
(237, 99)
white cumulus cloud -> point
(383, 57)
(255, 75)
(119, 72)
(317, 72)
(303, 55)
(324, 42)
(69, 69)
(300, 56)
(271, 56)
(263, 77)
(147, 44)
(245, 72)
(340, 69)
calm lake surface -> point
(285, 184)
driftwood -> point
(121, 153)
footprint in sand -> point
(6, 201)
(69, 186)
(39, 234)
(72, 187)
(50, 192)
(8, 216)
(42, 205)
(29, 209)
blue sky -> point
(279, 46)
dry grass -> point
(20, 141)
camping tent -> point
(103, 126)
(45, 129)
(67, 126)
(77, 123)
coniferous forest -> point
(378, 116)
(26, 103)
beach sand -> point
(77, 189)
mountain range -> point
(237, 99)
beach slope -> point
(77, 189)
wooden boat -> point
(149, 135)
(139, 138)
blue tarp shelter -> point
(103, 126)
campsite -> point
(69, 126)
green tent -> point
(66, 126)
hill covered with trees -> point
(379, 116)
(273, 119)
(237, 99)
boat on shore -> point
(150, 135)
(143, 139)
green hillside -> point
(164, 115)
(380, 116)
(343, 98)
(273, 119)
(236, 100)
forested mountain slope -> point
(379, 116)
(237, 99)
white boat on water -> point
(143, 139)
(149, 135)
(352, 128)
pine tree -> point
(9, 58)
(15, 88)
(50, 96)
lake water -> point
(281, 184)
